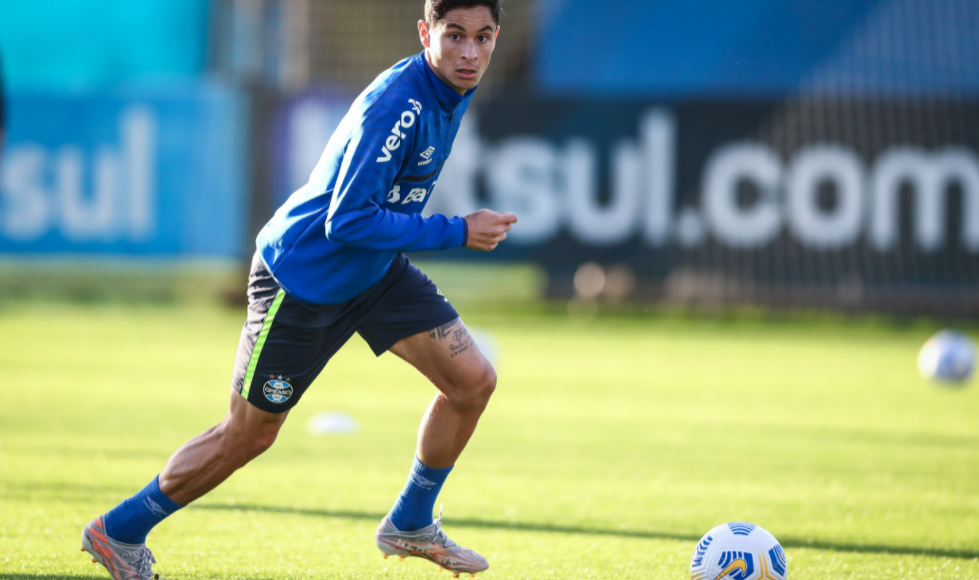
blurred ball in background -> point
(948, 357)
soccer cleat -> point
(429, 543)
(123, 561)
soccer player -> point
(329, 264)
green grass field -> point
(609, 448)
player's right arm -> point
(367, 174)
(372, 160)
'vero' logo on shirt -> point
(394, 139)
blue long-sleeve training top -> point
(337, 235)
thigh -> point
(447, 355)
(407, 303)
(416, 322)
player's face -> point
(460, 45)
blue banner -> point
(136, 172)
(758, 48)
(301, 130)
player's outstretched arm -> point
(488, 228)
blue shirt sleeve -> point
(371, 162)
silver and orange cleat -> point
(123, 561)
(429, 543)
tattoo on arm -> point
(459, 337)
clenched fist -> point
(487, 229)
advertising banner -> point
(130, 173)
(821, 201)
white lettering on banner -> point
(460, 172)
(929, 176)
(811, 168)
(554, 186)
(743, 227)
(139, 153)
(522, 176)
(589, 222)
(122, 199)
(86, 219)
(657, 131)
(26, 215)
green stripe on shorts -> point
(257, 351)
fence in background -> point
(846, 176)
(773, 153)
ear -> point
(424, 34)
(497, 34)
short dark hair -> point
(436, 10)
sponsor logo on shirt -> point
(394, 195)
(393, 142)
(427, 156)
(416, 194)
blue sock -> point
(130, 521)
(413, 509)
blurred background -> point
(785, 154)
(739, 221)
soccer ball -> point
(948, 357)
(738, 551)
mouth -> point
(466, 73)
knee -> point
(478, 388)
(248, 443)
(487, 383)
(264, 438)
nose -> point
(469, 50)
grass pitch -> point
(609, 448)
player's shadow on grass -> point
(652, 535)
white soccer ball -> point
(738, 551)
(948, 357)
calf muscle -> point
(207, 460)
(449, 357)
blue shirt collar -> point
(445, 94)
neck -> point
(438, 73)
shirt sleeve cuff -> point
(465, 232)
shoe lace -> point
(439, 534)
(143, 561)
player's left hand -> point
(488, 228)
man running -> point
(329, 264)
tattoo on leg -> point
(458, 334)
(461, 341)
(444, 330)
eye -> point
(483, 38)
(454, 36)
